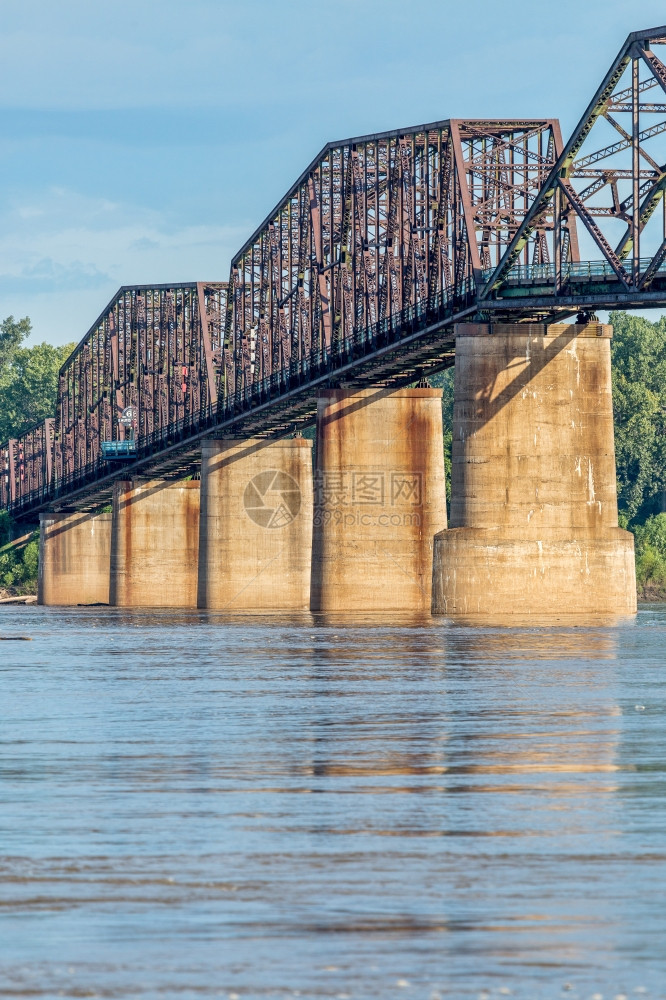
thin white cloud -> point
(63, 251)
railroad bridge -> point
(393, 256)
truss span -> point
(358, 276)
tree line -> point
(28, 378)
(638, 351)
(29, 386)
(28, 390)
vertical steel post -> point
(635, 169)
(12, 470)
(208, 351)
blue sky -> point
(145, 140)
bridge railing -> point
(521, 278)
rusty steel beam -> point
(156, 349)
(375, 226)
(152, 349)
(627, 234)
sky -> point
(144, 140)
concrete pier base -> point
(256, 525)
(155, 544)
(380, 498)
(533, 527)
(74, 559)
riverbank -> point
(652, 595)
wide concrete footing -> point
(155, 545)
(380, 497)
(481, 571)
(534, 528)
(256, 525)
(74, 558)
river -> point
(195, 806)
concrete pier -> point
(155, 544)
(380, 498)
(533, 527)
(74, 559)
(256, 524)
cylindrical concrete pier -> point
(380, 497)
(155, 544)
(256, 524)
(533, 527)
(74, 559)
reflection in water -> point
(547, 621)
(197, 805)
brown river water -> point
(197, 806)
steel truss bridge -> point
(358, 276)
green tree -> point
(12, 334)
(652, 533)
(28, 387)
(19, 566)
(639, 403)
(444, 381)
(651, 556)
(5, 527)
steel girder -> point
(379, 225)
(157, 349)
(610, 178)
(27, 464)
